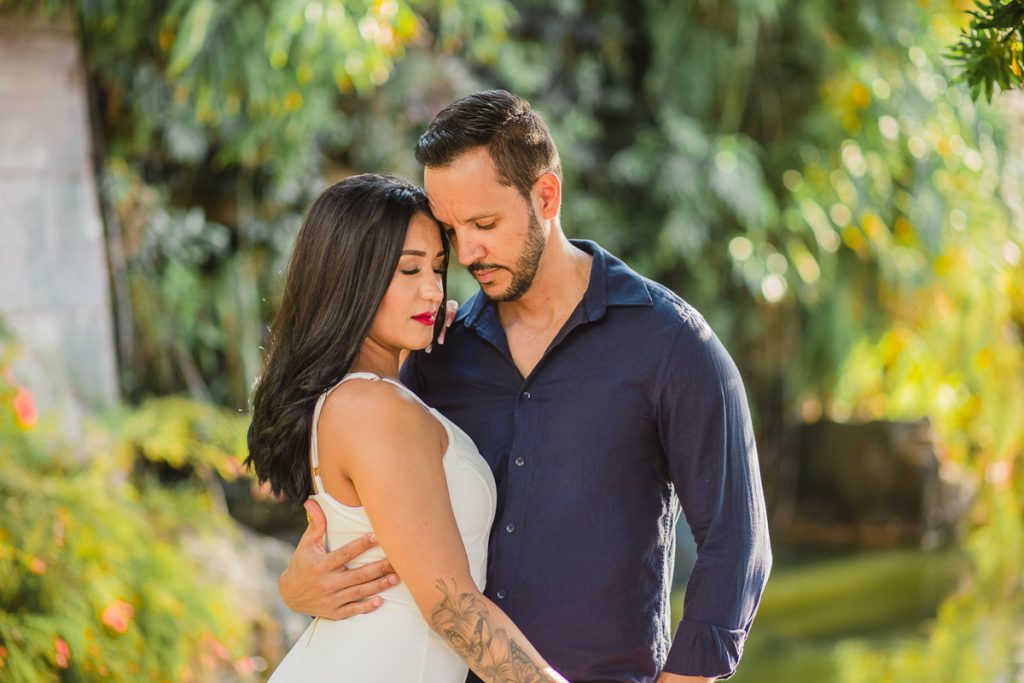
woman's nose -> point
(431, 289)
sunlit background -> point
(810, 174)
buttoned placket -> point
(508, 533)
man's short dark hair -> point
(516, 136)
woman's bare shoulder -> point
(366, 410)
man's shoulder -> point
(660, 305)
(675, 313)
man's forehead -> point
(454, 201)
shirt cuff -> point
(707, 650)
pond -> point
(835, 619)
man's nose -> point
(467, 250)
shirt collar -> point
(612, 283)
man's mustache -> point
(475, 267)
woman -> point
(366, 281)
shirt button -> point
(520, 461)
(501, 594)
(510, 527)
(526, 396)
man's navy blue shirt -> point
(634, 410)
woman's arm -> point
(390, 449)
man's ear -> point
(548, 190)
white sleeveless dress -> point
(393, 644)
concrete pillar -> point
(54, 285)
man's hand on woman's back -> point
(317, 582)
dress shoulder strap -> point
(314, 455)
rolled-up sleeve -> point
(706, 432)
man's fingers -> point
(351, 550)
(451, 309)
(316, 528)
(365, 575)
(351, 609)
(366, 590)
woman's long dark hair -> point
(341, 265)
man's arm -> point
(316, 582)
(673, 678)
(705, 429)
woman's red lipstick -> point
(427, 318)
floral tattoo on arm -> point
(464, 622)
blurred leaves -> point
(990, 51)
(217, 122)
(96, 580)
(185, 435)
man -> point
(602, 402)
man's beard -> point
(525, 269)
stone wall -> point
(54, 285)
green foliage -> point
(184, 434)
(216, 123)
(95, 579)
(990, 51)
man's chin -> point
(505, 296)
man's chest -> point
(568, 416)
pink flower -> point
(25, 408)
(63, 652)
(37, 566)
(118, 615)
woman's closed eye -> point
(414, 271)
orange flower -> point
(25, 408)
(118, 615)
(37, 566)
(3, 656)
(63, 652)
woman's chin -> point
(420, 345)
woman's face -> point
(405, 319)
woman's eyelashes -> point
(438, 270)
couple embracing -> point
(504, 502)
